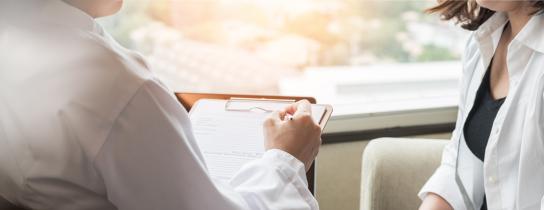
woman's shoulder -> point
(471, 44)
(470, 59)
(471, 52)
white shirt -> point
(513, 168)
(84, 124)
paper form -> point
(230, 139)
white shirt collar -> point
(530, 36)
(492, 25)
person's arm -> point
(542, 139)
(151, 161)
(434, 202)
(441, 189)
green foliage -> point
(363, 27)
(435, 53)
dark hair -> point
(469, 14)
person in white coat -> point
(495, 159)
(84, 124)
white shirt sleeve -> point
(442, 182)
(151, 161)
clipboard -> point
(188, 100)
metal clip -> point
(263, 104)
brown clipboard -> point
(190, 99)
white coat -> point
(84, 124)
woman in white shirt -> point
(495, 159)
(84, 124)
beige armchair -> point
(395, 169)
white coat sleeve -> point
(151, 161)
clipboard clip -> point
(256, 104)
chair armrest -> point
(395, 169)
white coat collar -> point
(60, 13)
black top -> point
(480, 121)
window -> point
(360, 55)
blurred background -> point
(260, 46)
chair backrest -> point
(6, 205)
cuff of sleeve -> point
(443, 184)
(292, 166)
(292, 169)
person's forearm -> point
(434, 202)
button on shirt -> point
(514, 156)
(84, 124)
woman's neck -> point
(518, 18)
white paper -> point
(230, 139)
